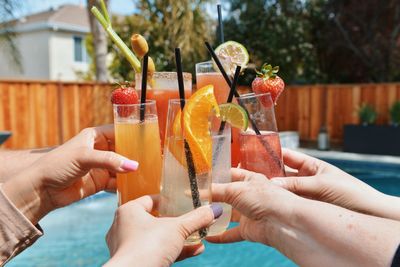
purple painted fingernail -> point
(217, 210)
(130, 165)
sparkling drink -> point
(176, 190)
(140, 141)
(163, 87)
(221, 171)
(261, 152)
(256, 157)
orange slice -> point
(196, 126)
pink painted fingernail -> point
(130, 165)
(217, 210)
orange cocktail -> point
(205, 75)
(140, 141)
(162, 88)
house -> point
(51, 44)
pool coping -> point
(346, 156)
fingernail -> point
(130, 165)
(217, 210)
(278, 182)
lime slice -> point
(235, 115)
(232, 54)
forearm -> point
(318, 233)
(13, 161)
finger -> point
(229, 236)
(306, 165)
(148, 203)
(245, 175)
(111, 185)
(104, 137)
(199, 218)
(226, 192)
(235, 216)
(191, 251)
(298, 185)
(90, 158)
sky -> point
(123, 7)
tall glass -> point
(261, 153)
(176, 187)
(140, 141)
(163, 87)
(206, 75)
(221, 170)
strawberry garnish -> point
(124, 94)
(267, 81)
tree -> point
(99, 43)
(165, 24)
(8, 10)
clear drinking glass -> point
(221, 169)
(163, 87)
(181, 186)
(206, 75)
(140, 141)
(261, 152)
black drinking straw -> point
(253, 124)
(221, 25)
(188, 153)
(144, 87)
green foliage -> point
(165, 24)
(367, 114)
(395, 113)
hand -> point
(306, 231)
(79, 168)
(259, 203)
(321, 181)
(138, 238)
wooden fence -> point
(43, 113)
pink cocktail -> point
(260, 148)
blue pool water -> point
(74, 236)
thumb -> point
(298, 185)
(106, 160)
(199, 218)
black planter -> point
(372, 139)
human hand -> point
(138, 238)
(321, 181)
(79, 168)
(259, 205)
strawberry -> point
(268, 82)
(124, 95)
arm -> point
(319, 180)
(17, 160)
(318, 232)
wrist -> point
(25, 192)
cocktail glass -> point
(163, 87)
(261, 153)
(181, 187)
(221, 170)
(205, 75)
(140, 141)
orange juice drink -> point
(140, 141)
(163, 87)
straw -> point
(144, 87)
(188, 153)
(253, 124)
(221, 25)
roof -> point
(66, 17)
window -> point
(79, 49)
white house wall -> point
(34, 50)
(62, 64)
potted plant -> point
(367, 114)
(395, 114)
(370, 138)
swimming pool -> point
(74, 236)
